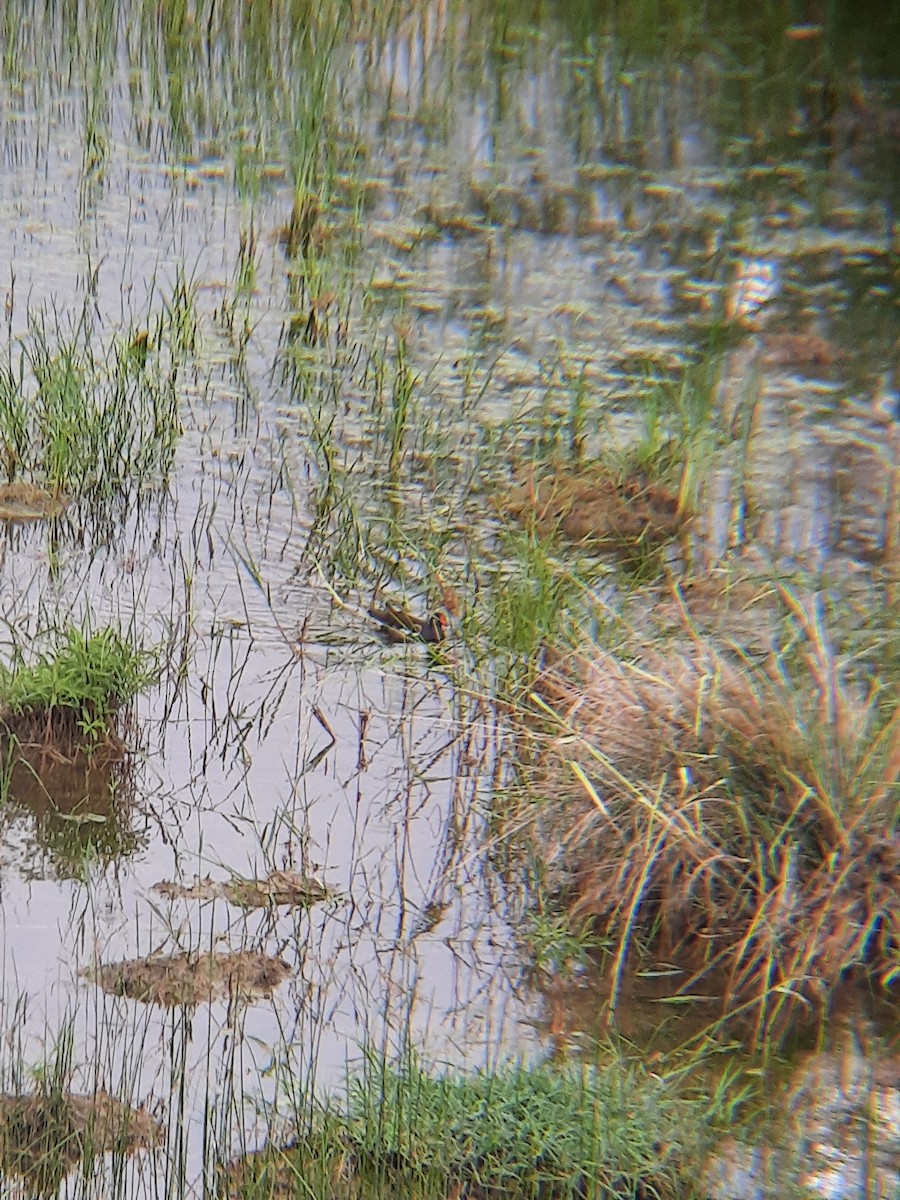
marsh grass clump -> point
(72, 695)
(180, 319)
(529, 598)
(634, 498)
(399, 413)
(46, 1134)
(62, 756)
(84, 424)
(528, 1132)
(738, 819)
(63, 759)
(47, 1129)
(297, 236)
(631, 505)
(601, 507)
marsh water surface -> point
(382, 261)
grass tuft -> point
(528, 1132)
(736, 818)
(80, 424)
(85, 681)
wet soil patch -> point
(78, 789)
(51, 764)
(188, 979)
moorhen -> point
(400, 625)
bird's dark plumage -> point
(400, 625)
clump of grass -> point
(79, 687)
(49, 1130)
(297, 236)
(245, 268)
(530, 1131)
(528, 601)
(44, 1135)
(740, 820)
(180, 320)
(62, 754)
(527, 1132)
(80, 424)
(632, 500)
(554, 946)
(399, 414)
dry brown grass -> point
(28, 502)
(189, 979)
(599, 507)
(738, 820)
(44, 1135)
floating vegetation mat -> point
(279, 887)
(28, 502)
(188, 979)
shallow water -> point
(517, 210)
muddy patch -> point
(189, 979)
(78, 792)
(278, 888)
